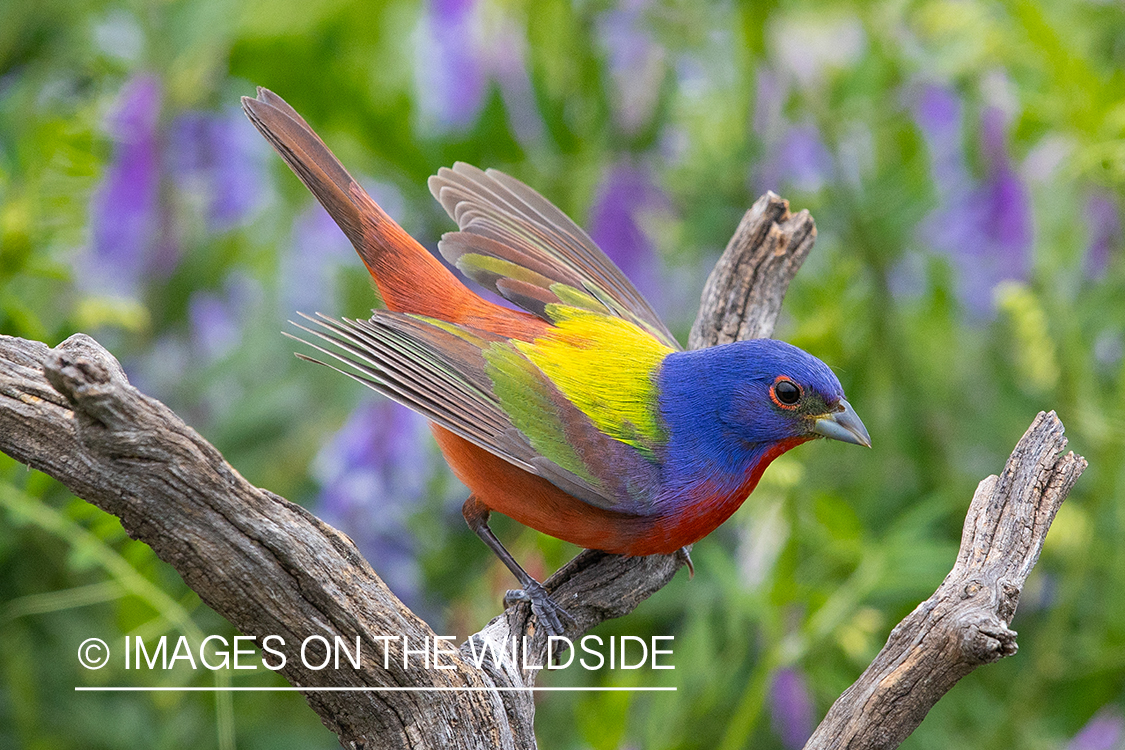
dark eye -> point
(786, 392)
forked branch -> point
(965, 623)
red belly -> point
(535, 502)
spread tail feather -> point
(409, 278)
(309, 158)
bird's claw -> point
(545, 609)
(683, 554)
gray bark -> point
(965, 623)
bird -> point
(572, 409)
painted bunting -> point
(578, 414)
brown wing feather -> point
(500, 217)
(442, 376)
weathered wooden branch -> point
(965, 623)
(743, 294)
(272, 568)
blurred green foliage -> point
(965, 162)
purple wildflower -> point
(1103, 732)
(218, 157)
(455, 68)
(626, 194)
(636, 64)
(791, 708)
(308, 269)
(214, 329)
(1103, 221)
(371, 474)
(954, 224)
(239, 172)
(795, 155)
(938, 113)
(125, 217)
(188, 154)
(797, 159)
(802, 160)
(453, 79)
(1002, 246)
(983, 225)
(769, 100)
(1005, 197)
(937, 110)
(509, 64)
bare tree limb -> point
(965, 623)
(743, 294)
(272, 568)
(267, 565)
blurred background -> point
(964, 161)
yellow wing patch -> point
(607, 367)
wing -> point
(515, 242)
(490, 391)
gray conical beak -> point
(843, 425)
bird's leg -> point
(546, 609)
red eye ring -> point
(785, 393)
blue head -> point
(729, 405)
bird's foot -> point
(684, 556)
(545, 609)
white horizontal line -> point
(140, 689)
